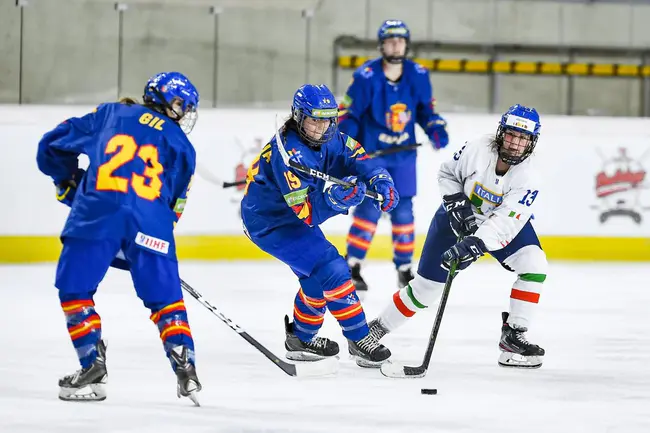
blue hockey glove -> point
(383, 184)
(461, 216)
(464, 252)
(341, 198)
(437, 133)
(66, 190)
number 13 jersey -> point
(503, 204)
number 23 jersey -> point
(503, 204)
(140, 169)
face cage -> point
(395, 60)
(510, 159)
(188, 120)
(299, 117)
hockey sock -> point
(174, 329)
(416, 296)
(360, 237)
(524, 297)
(84, 327)
(345, 306)
(403, 243)
(308, 314)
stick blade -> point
(326, 367)
(401, 371)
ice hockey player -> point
(126, 204)
(385, 100)
(282, 209)
(488, 191)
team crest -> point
(398, 117)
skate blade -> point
(364, 363)
(92, 392)
(325, 367)
(194, 399)
(514, 360)
(297, 355)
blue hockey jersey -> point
(277, 195)
(381, 114)
(136, 184)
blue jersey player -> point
(126, 204)
(282, 209)
(385, 100)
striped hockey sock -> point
(84, 327)
(308, 315)
(524, 297)
(174, 329)
(345, 306)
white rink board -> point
(571, 152)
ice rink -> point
(593, 321)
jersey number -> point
(292, 180)
(529, 198)
(459, 153)
(147, 185)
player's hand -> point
(437, 133)
(464, 253)
(66, 190)
(342, 198)
(461, 217)
(383, 184)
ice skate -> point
(369, 352)
(188, 382)
(86, 384)
(314, 350)
(516, 351)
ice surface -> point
(593, 321)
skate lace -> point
(520, 336)
(369, 343)
(377, 331)
(318, 343)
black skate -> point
(297, 350)
(369, 352)
(404, 276)
(516, 351)
(188, 382)
(358, 281)
(88, 383)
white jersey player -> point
(488, 189)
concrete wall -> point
(70, 48)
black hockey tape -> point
(429, 391)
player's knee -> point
(529, 260)
(425, 291)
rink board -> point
(593, 201)
(31, 249)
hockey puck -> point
(429, 391)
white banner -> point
(594, 169)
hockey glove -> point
(464, 252)
(341, 198)
(461, 216)
(437, 132)
(383, 184)
(66, 190)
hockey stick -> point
(312, 172)
(311, 369)
(205, 174)
(383, 152)
(396, 370)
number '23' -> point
(529, 198)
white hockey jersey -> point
(502, 204)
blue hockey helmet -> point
(175, 96)
(393, 29)
(525, 121)
(315, 101)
